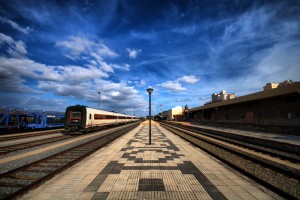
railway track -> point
(14, 136)
(18, 181)
(17, 147)
(277, 169)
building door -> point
(250, 118)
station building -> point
(275, 109)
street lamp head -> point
(99, 92)
(149, 90)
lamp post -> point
(99, 99)
(149, 90)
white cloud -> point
(64, 89)
(106, 67)
(189, 79)
(115, 93)
(79, 74)
(79, 46)
(92, 51)
(133, 53)
(101, 63)
(173, 86)
(15, 68)
(176, 85)
(16, 26)
(26, 68)
(123, 67)
(115, 96)
(143, 83)
(15, 48)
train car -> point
(37, 119)
(32, 119)
(82, 118)
(54, 119)
(9, 118)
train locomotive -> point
(83, 118)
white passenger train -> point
(82, 118)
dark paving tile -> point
(151, 185)
(189, 168)
(100, 196)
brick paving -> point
(130, 168)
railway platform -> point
(169, 168)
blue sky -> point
(54, 54)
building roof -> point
(282, 90)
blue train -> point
(12, 119)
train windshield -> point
(75, 115)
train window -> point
(39, 120)
(90, 116)
(13, 120)
(52, 120)
(98, 116)
(31, 120)
(2, 119)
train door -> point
(90, 119)
(39, 121)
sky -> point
(55, 54)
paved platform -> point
(169, 168)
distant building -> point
(222, 96)
(169, 115)
(270, 86)
(184, 116)
(275, 109)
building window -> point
(227, 117)
(242, 116)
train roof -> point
(103, 111)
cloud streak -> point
(15, 25)
(15, 48)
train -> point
(20, 119)
(84, 119)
